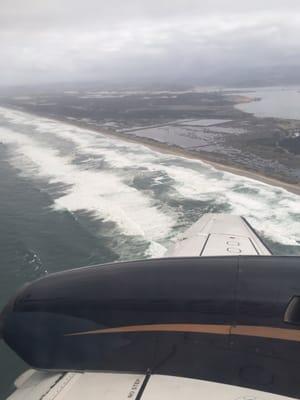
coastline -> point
(177, 151)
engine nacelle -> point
(226, 319)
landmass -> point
(198, 123)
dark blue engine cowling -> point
(227, 319)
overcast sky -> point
(63, 40)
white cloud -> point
(67, 40)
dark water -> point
(34, 240)
(70, 197)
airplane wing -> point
(114, 386)
(218, 235)
(212, 235)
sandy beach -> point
(167, 149)
(178, 151)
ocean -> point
(71, 197)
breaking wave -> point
(146, 194)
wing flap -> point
(218, 235)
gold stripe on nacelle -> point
(266, 332)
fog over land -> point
(221, 42)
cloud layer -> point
(63, 40)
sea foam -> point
(108, 192)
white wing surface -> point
(218, 235)
(108, 386)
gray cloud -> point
(47, 41)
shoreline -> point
(164, 148)
(180, 152)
